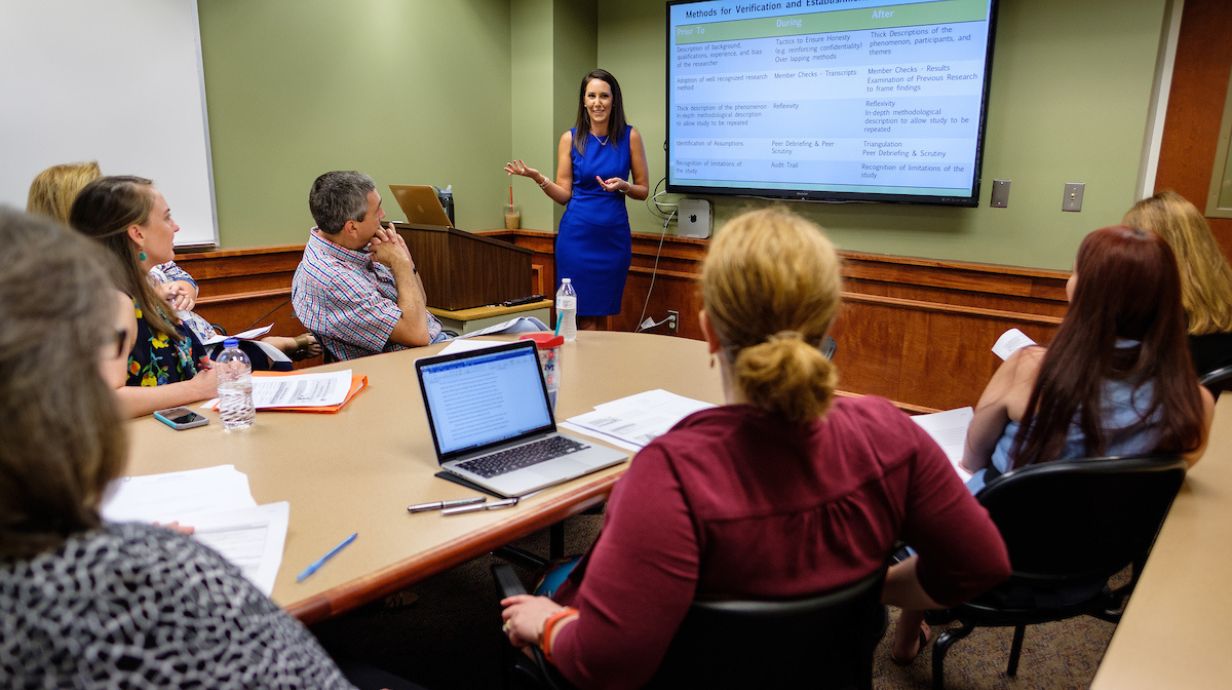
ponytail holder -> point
(785, 335)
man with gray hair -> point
(357, 287)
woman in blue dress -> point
(600, 161)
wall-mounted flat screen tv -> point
(828, 100)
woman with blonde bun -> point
(783, 492)
(1206, 277)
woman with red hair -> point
(1117, 379)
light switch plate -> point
(1072, 201)
(1000, 194)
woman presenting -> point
(593, 165)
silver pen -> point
(495, 505)
(441, 505)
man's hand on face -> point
(388, 248)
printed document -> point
(1010, 342)
(301, 390)
(634, 421)
(218, 504)
(949, 430)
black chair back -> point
(327, 356)
(1081, 520)
(1217, 380)
(827, 639)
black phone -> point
(180, 418)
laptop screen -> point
(484, 398)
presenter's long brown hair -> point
(61, 438)
(1127, 287)
(770, 286)
(616, 122)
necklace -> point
(602, 140)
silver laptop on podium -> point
(492, 424)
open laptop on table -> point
(421, 205)
(492, 425)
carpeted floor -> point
(449, 637)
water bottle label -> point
(565, 302)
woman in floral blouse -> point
(167, 366)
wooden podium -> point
(461, 270)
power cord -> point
(654, 274)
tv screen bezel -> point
(827, 196)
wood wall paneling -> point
(916, 331)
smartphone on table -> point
(180, 418)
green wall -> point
(409, 92)
(446, 92)
(1071, 86)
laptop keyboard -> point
(522, 456)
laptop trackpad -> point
(560, 467)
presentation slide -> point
(828, 99)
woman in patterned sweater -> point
(87, 604)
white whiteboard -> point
(119, 82)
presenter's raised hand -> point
(613, 184)
(519, 168)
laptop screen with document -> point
(485, 397)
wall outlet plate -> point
(1000, 194)
(1072, 201)
(693, 218)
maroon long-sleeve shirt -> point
(733, 502)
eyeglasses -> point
(121, 339)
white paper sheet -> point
(176, 495)
(949, 430)
(521, 324)
(250, 538)
(459, 345)
(218, 504)
(301, 390)
(637, 419)
(246, 335)
(1010, 342)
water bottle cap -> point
(545, 341)
(565, 280)
(231, 342)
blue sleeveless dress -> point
(593, 244)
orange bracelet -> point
(548, 625)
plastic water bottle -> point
(566, 310)
(234, 386)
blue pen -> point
(316, 565)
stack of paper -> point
(217, 503)
(636, 420)
(949, 430)
(324, 392)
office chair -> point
(829, 638)
(1069, 526)
(327, 356)
(1217, 380)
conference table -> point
(1174, 633)
(357, 470)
